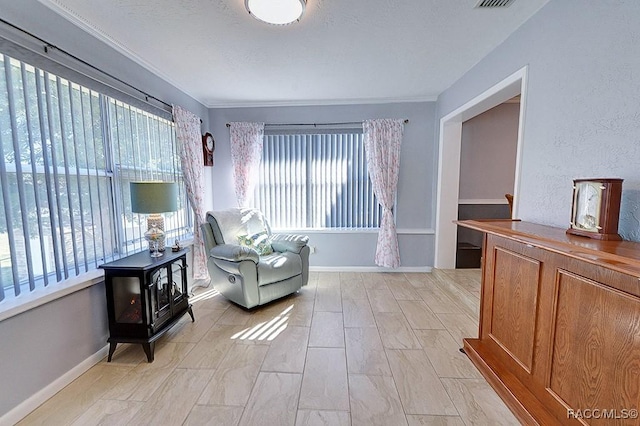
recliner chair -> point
(238, 271)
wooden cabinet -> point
(559, 336)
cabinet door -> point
(595, 347)
(511, 298)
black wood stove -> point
(146, 296)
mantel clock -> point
(596, 208)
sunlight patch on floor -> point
(205, 295)
(266, 330)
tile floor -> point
(349, 348)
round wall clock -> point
(208, 146)
(596, 208)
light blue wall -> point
(42, 344)
(582, 120)
(416, 196)
(488, 153)
(582, 108)
(41, 21)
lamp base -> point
(158, 221)
(154, 236)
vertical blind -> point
(67, 155)
(316, 180)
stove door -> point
(161, 290)
(126, 300)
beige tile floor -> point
(349, 348)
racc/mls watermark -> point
(602, 413)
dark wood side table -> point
(146, 296)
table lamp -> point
(154, 198)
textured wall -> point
(415, 187)
(582, 110)
(267, 64)
(488, 153)
(43, 22)
(42, 344)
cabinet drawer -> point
(605, 276)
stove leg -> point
(148, 349)
(191, 314)
(112, 349)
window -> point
(317, 180)
(68, 154)
(144, 148)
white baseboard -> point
(27, 406)
(369, 269)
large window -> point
(317, 180)
(68, 154)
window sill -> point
(399, 231)
(41, 296)
(33, 299)
(326, 231)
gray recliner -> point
(242, 275)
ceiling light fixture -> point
(276, 12)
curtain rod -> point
(48, 46)
(406, 120)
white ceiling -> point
(342, 51)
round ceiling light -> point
(276, 12)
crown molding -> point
(103, 36)
(317, 102)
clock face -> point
(210, 143)
(587, 203)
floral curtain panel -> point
(382, 141)
(190, 150)
(246, 152)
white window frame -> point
(43, 283)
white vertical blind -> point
(317, 180)
(67, 155)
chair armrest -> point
(234, 253)
(287, 242)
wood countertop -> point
(621, 256)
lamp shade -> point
(276, 12)
(154, 197)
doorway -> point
(449, 161)
(487, 174)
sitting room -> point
(293, 212)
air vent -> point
(490, 4)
